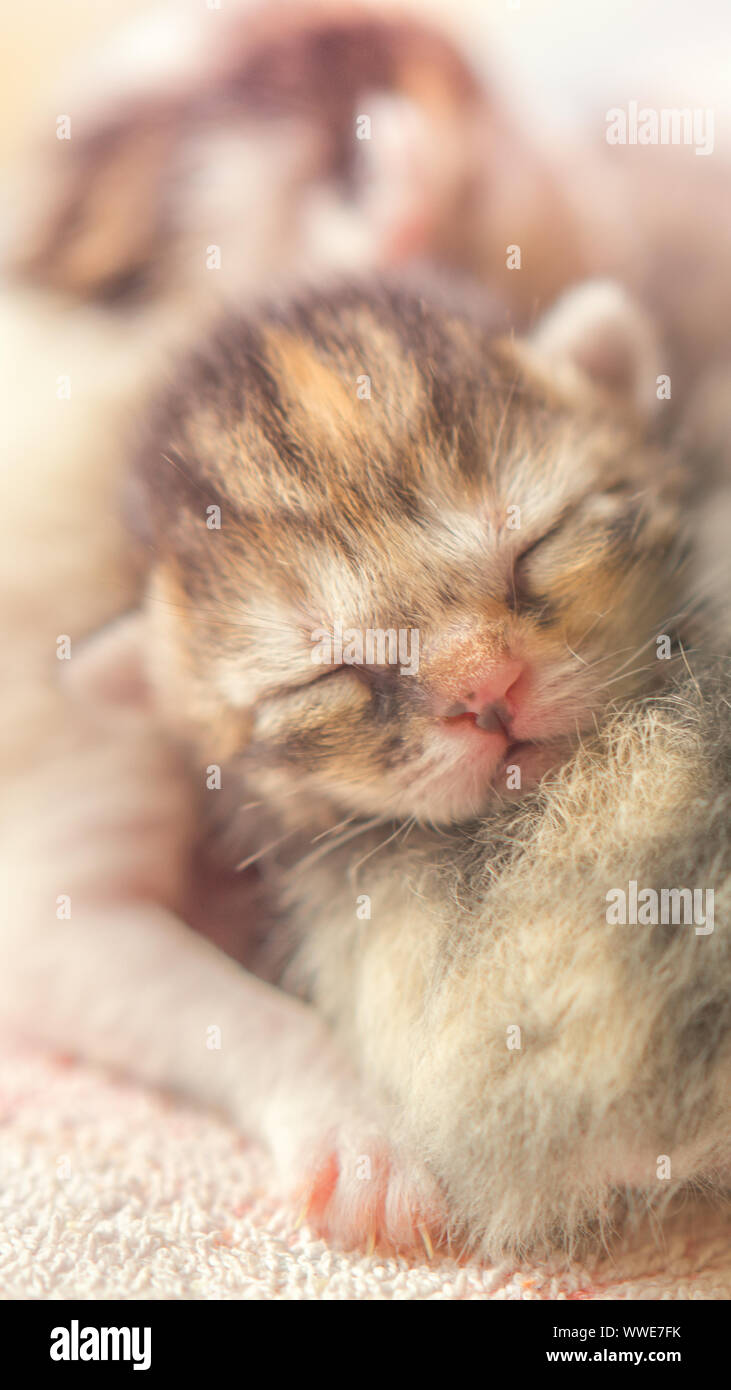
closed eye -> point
(547, 536)
(617, 492)
(334, 683)
(517, 594)
(619, 489)
(520, 595)
(380, 680)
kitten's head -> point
(401, 563)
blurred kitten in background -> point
(309, 139)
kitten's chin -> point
(470, 791)
(454, 784)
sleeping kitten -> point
(357, 459)
(399, 563)
(210, 153)
(511, 519)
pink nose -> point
(493, 687)
(492, 696)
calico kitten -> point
(407, 522)
(372, 462)
(363, 456)
(359, 458)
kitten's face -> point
(437, 563)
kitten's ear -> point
(108, 670)
(600, 329)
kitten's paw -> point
(363, 1192)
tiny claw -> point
(371, 1242)
(426, 1241)
(302, 1214)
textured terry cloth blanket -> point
(108, 1190)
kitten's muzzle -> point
(492, 701)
